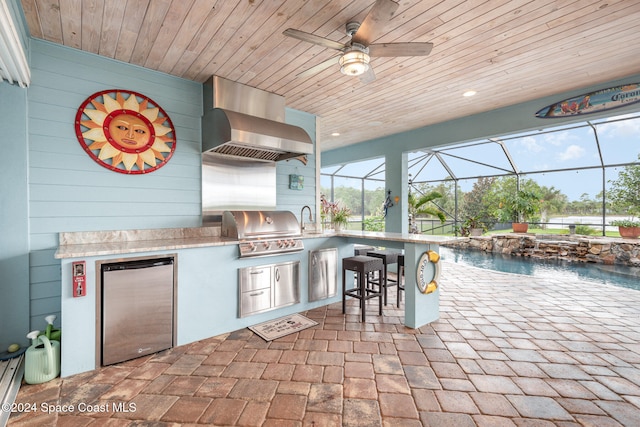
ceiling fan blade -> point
(312, 38)
(368, 76)
(373, 23)
(319, 67)
(400, 49)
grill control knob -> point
(252, 246)
(280, 243)
(266, 245)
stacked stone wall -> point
(574, 248)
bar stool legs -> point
(361, 265)
(388, 257)
(400, 278)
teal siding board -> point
(45, 289)
(42, 193)
(93, 209)
(40, 274)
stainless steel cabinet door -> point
(323, 274)
(286, 279)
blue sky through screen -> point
(569, 149)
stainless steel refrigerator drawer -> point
(252, 278)
(256, 300)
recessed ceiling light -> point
(335, 134)
(469, 93)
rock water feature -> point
(603, 250)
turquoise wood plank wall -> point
(68, 191)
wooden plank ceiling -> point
(508, 51)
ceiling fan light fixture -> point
(354, 62)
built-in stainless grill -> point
(262, 233)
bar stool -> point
(362, 249)
(362, 265)
(400, 276)
(388, 257)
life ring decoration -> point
(428, 272)
(125, 131)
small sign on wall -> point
(296, 182)
(79, 278)
(593, 102)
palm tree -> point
(423, 205)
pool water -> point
(628, 277)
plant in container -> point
(472, 226)
(519, 208)
(628, 228)
(340, 217)
(325, 211)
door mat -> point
(278, 328)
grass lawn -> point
(558, 231)
(356, 225)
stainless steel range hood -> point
(245, 122)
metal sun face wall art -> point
(125, 131)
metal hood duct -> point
(245, 122)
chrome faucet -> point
(302, 217)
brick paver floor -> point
(508, 350)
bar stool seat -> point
(400, 277)
(388, 257)
(362, 266)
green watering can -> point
(42, 359)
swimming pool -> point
(628, 277)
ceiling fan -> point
(356, 54)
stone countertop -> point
(397, 237)
(102, 243)
(136, 246)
